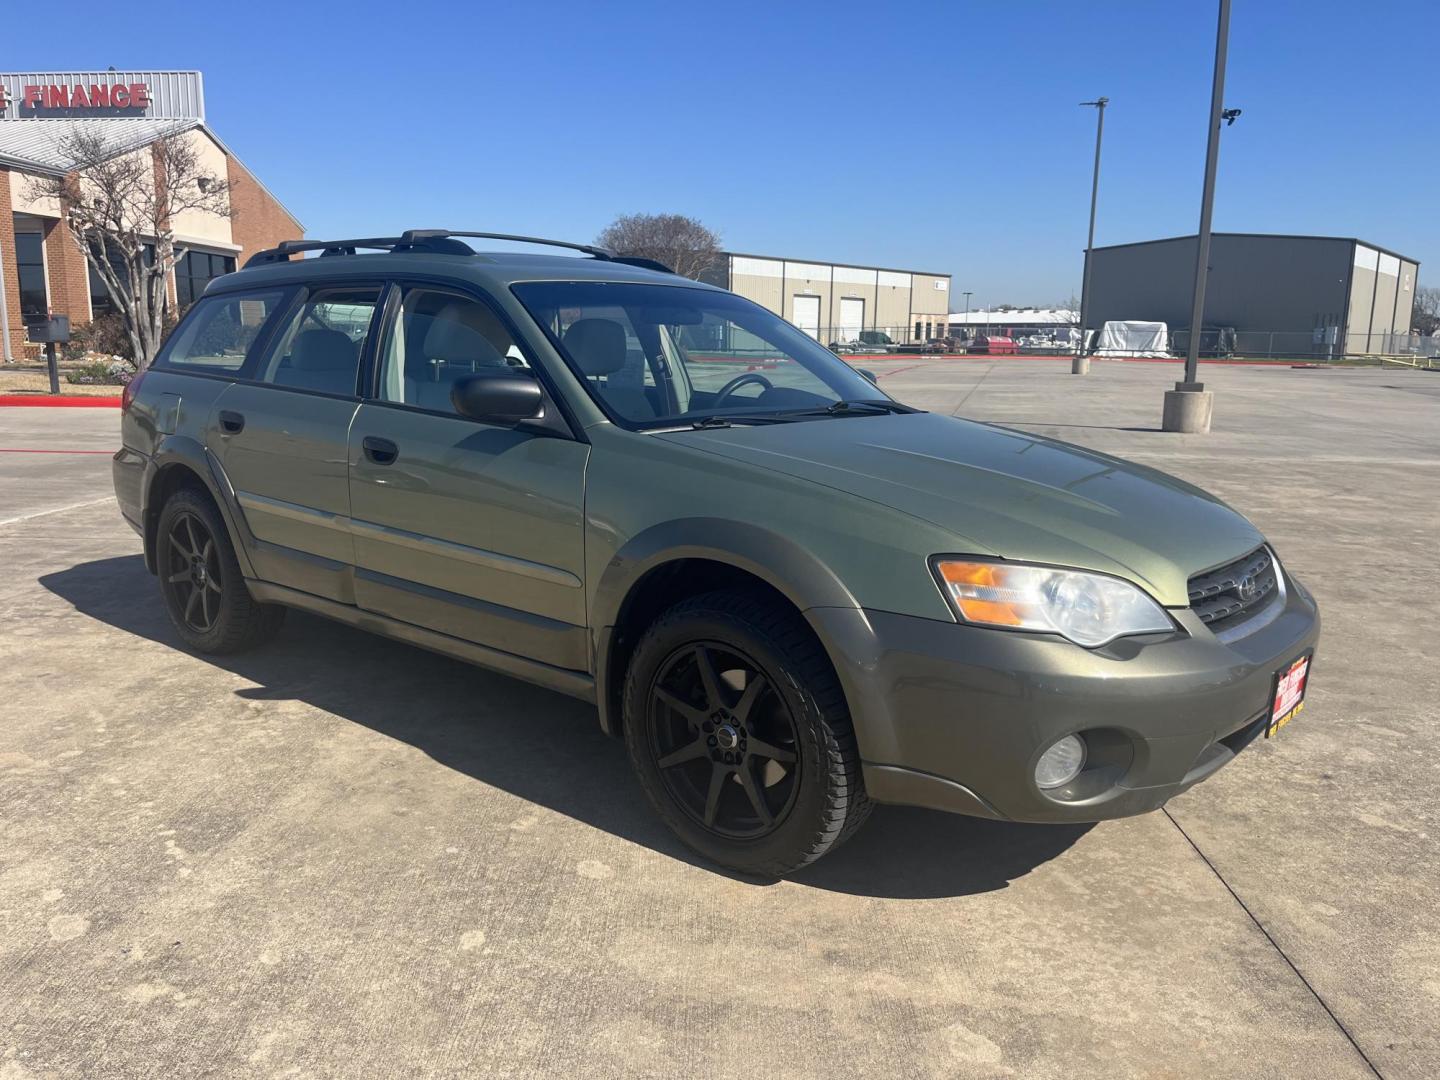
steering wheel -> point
(739, 381)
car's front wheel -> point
(204, 591)
(738, 730)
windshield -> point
(660, 355)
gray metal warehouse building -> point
(1317, 296)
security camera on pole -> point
(1188, 407)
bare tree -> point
(680, 242)
(1426, 317)
(116, 204)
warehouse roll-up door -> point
(852, 317)
(807, 314)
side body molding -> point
(775, 559)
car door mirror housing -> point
(869, 375)
(500, 397)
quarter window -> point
(436, 339)
(217, 335)
(320, 347)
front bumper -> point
(955, 717)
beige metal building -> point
(836, 302)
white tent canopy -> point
(1133, 339)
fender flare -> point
(780, 562)
(192, 455)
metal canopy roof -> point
(39, 145)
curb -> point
(61, 401)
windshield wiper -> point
(721, 421)
(865, 407)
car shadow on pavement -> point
(547, 748)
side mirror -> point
(500, 397)
(869, 375)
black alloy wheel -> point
(739, 734)
(201, 581)
(193, 576)
(724, 740)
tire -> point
(780, 698)
(210, 617)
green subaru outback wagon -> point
(790, 595)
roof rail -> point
(437, 241)
(415, 235)
(282, 251)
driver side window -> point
(436, 339)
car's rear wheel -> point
(204, 591)
(738, 730)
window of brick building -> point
(30, 275)
(195, 270)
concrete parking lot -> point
(343, 857)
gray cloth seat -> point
(598, 346)
(442, 348)
(320, 359)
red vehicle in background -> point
(993, 346)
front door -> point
(282, 437)
(469, 529)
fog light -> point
(1061, 763)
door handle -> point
(380, 451)
(231, 422)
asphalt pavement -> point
(343, 857)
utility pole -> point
(1081, 364)
(1189, 406)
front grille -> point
(1226, 598)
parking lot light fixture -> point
(1189, 406)
(1081, 364)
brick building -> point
(41, 270)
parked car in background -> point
(789, 594)
(989, 345)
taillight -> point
(127, 396)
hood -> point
(1006, 493)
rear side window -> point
(219, 331)
(319, 348)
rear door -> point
(282, 437)
(469, 529)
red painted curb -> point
(61, 401)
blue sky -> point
(939, 136)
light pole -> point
(1189, 405)
(968, 335)
(1081, 364)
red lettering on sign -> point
(100, 97)
(32, 96)
(139, 95)
(78, 100)
(120, 97)
(57, 97)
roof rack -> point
(435, 241)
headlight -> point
(1089, 609)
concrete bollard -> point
(1188, 411)
(1080, 365)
